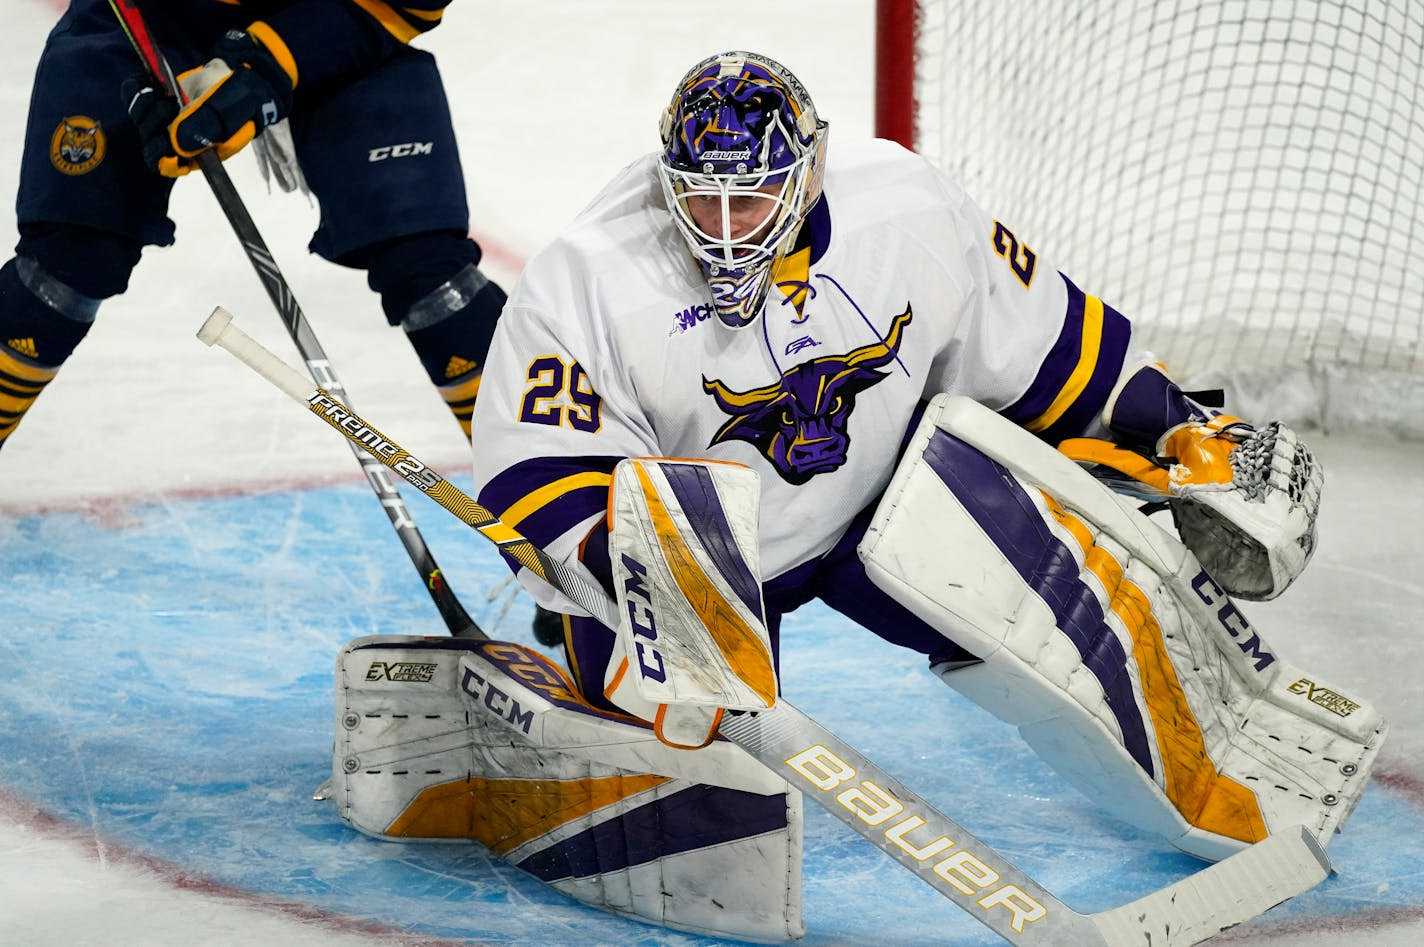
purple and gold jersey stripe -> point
(545, 497)
(1076, 378)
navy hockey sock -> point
(41, 322)
(431, 285)
(450, 330)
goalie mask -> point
(742, 160)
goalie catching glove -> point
(242, 90)
(1244, 499)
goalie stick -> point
(457, 620)
(872, 802)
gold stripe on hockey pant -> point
(460, 398)
(1082, 372)
(1206, 798)
(740, 644)
(21, 382)
(503, 814)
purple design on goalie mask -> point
(740, 128)
(736, 124)
(800, 422)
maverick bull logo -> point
(799, 423)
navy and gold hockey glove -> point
(242, 90)
(152, 111)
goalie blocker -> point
(1123, 663)
(692, 639)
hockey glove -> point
(152, 111)
(1244, 500)
(242, 90)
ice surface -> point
(184, 552)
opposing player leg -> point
(86, 206)
(1122, 662)
(380, 155)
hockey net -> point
(1243, 178)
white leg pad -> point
(439, 739)
(1104, 641)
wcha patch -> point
(78, 145)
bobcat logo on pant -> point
(799, 422)
(78, 145)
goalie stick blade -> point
(1223, 895)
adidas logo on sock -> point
(459, 366)
(24, 347)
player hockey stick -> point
(837, 777)
(457, 620)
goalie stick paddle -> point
(837, 777)
(457, 620)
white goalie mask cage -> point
(744, 152)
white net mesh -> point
(1243, 178)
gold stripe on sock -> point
(18, 371)
(460, 397)
(21, 382)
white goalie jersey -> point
(900, 288)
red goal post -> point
(1244, 178)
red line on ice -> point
(23, 813)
